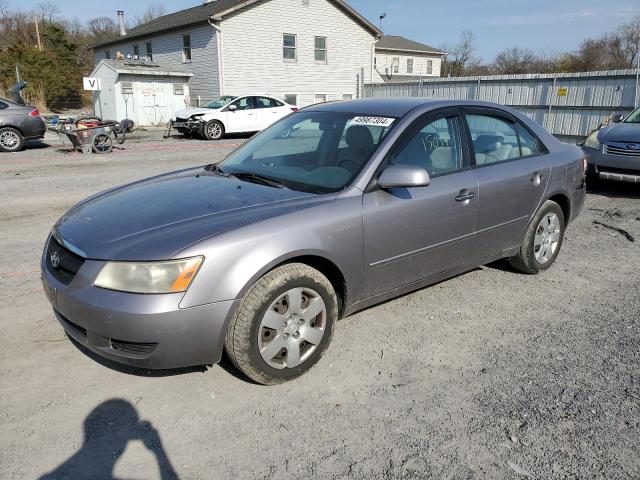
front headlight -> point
(172, 276)
(592, 141)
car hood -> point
(621, 132)
(156, 218)
(187, 112)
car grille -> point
(624, 151)
(178, 119)
(68, 263)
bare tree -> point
(630, 41)
(47, 12)
(461, 56)
(102, 28)
(153, 11)
(515, 60)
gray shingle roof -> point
(148, 68)
(394, 42)
(202, 13)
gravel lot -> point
(492, 374)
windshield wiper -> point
(257, 178)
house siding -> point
(167, 50)
(252, 50)
(384, 60)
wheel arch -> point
(563, 200)
(15, 127)
(317, 260)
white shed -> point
(147, 93)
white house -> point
(399, 59)
(302, 51)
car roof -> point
(395, 107)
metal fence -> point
(569, 105)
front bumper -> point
(621, 168)
(147, 331)
(188, 126)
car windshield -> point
(318, 152)
(634, 117)
(221, 102)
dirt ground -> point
(492, 374)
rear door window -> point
(3, 105)
(494, 139)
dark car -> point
(329, 211)
(17, 124)
(613, 152)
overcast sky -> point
(547, 25)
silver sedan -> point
(332, 209)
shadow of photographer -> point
(107, 431)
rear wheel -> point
(11, 140)
(102, 143)
(213, 130)
(542, 241)
(283, 325)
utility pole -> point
(17, 73)
(635, 101)
(35, 19)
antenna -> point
(382, 17)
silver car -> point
(333, 209)
(613, 152)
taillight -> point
(34, 113)
(294, 109)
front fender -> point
(237, 258)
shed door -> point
(158, 100)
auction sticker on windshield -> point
(373, 121)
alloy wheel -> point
(9, 140)
(214, 130)
(292, 328)
(547, 238)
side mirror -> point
(617, 118)
(232, 108)
(403, 176)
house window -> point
(136, 52)
(107, 54)
(396, 65)
(291, 98)
(347, 96)
(320, 98)
(149, 54)
(429, 67)
(410, 65)
(321, 49)
(289, 47)
(186, 48)
(178, 88)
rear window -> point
(3, 105)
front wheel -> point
(213, 130)
(283, 325)
(11, 140)
(542, 241)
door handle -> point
(465, 196)
(537, 178)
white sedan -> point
(228, 114)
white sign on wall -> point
(91, 83)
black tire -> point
(241, 342)
(11, 140)
(102, 143)
(213, 130)
(525, 260)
